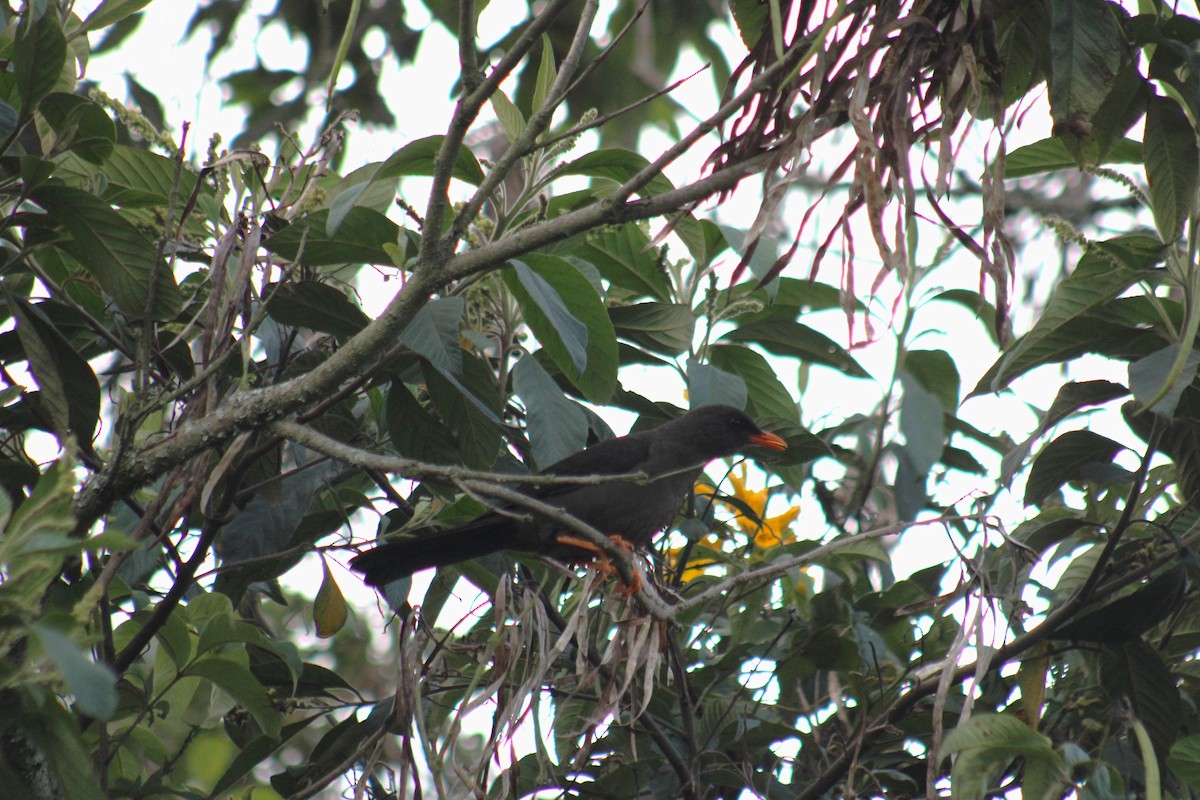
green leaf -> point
(936, 372)
(766, 397)
(1071, 397)
(116, 253)
(1149, 376)
(1051, 154)
(110, 12)
(94, 685)
(1184, 760)
(39, 55)
(557, 427)
(555, 322)
(751, 18)
(625, 257)
(782, 336)
(256, 752)
(1075, 455)
(58, 367)
(547, 73)
(315, 305)
(1095, 281)
(139, 177)
(666, 328)
(1135, 671)
(240, 684)
(921, 422)
(1130, 615)
(988, 742)
(708, 385)
(415, 432)
(1086, 48)
(434, 334)
(616, 166)
(582, 303)
(78, 124)
(360, 239)
(417, 158)
(470, 407)
(8, 120)
(1172, 166)
(511, 118)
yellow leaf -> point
(329, 609)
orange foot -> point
(604, 565)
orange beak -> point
(768, 440)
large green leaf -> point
(434, 333)
(1135, 672)
(69, 122)
(776, 331)
(238, 682)
(116, 253)
(69, 387)
(935, 370)
(1096, 280)
(1151, 381)
(766, 396)
(921, 422)
(360, 239)
(557, 426)
(415, 432)
(1184, 760)
(110, 12)
(1086, 49)
(986, 743)
(614, 167)
(315, 305)
(1172, 166)
(94, 685)
(555, 321)
(665, 328)
(1072, 456)
(625, 258)
(140, 177)
(709, 385)
(469, 407)
(415, 158)
(1051, 154)
(581, 302)
(39, 53)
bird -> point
(672, 457)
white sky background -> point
(159, 59)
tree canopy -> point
(203, 416)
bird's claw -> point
(604, 565)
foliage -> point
(189, 340)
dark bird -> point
(671, 455)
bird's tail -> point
(394, 560)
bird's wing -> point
(610, 457)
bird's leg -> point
(605, 566)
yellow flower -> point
(773, 531)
